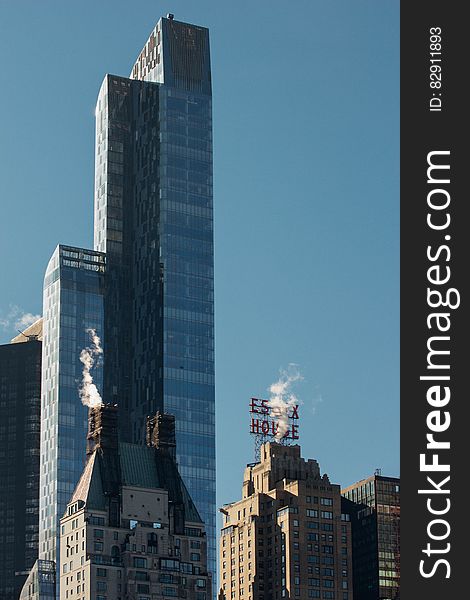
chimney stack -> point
(161, 432)
(102, 428)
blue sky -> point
(306, 175)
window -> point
(100, 572)
(101, 586)
(195, 556)
(312, 512)
(140, 562)
(142, 576)
(98, 546)
(314, 582)
(143, 588)
(314, 593)
(326, 501)
(98, 533)
(328, 583)
(187, 568)
(326, 514)
(169, 591)
(328, 595)
(169, 564)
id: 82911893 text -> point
(435, 68)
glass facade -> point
(153, 218)
(374, 506)
(41, 582)
(20, 402)
(72, 303)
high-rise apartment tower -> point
(153, 219)
(374, 506)
(131, 529)
(72, 305)
(20, 403)
(287, 536)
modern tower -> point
(20, 404)
(287, 536)
(153, 219)
(72, 304)
(374, 506)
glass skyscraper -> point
(374, 506)
(153, 219)
(20, 404)
(72, 303)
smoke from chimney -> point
(88, 390)
(283, 399)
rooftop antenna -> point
(33, 336)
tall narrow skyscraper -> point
(20, 403)
(73, 303)
(153, 218)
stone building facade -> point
(131, 530)
(286, 537)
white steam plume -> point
(88, 390)
(283, 400)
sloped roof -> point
(90, 488)
(140, 466)
(35, 329)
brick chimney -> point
(161, 433)
(102, 428)
(103, 439)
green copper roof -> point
(138, 466)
